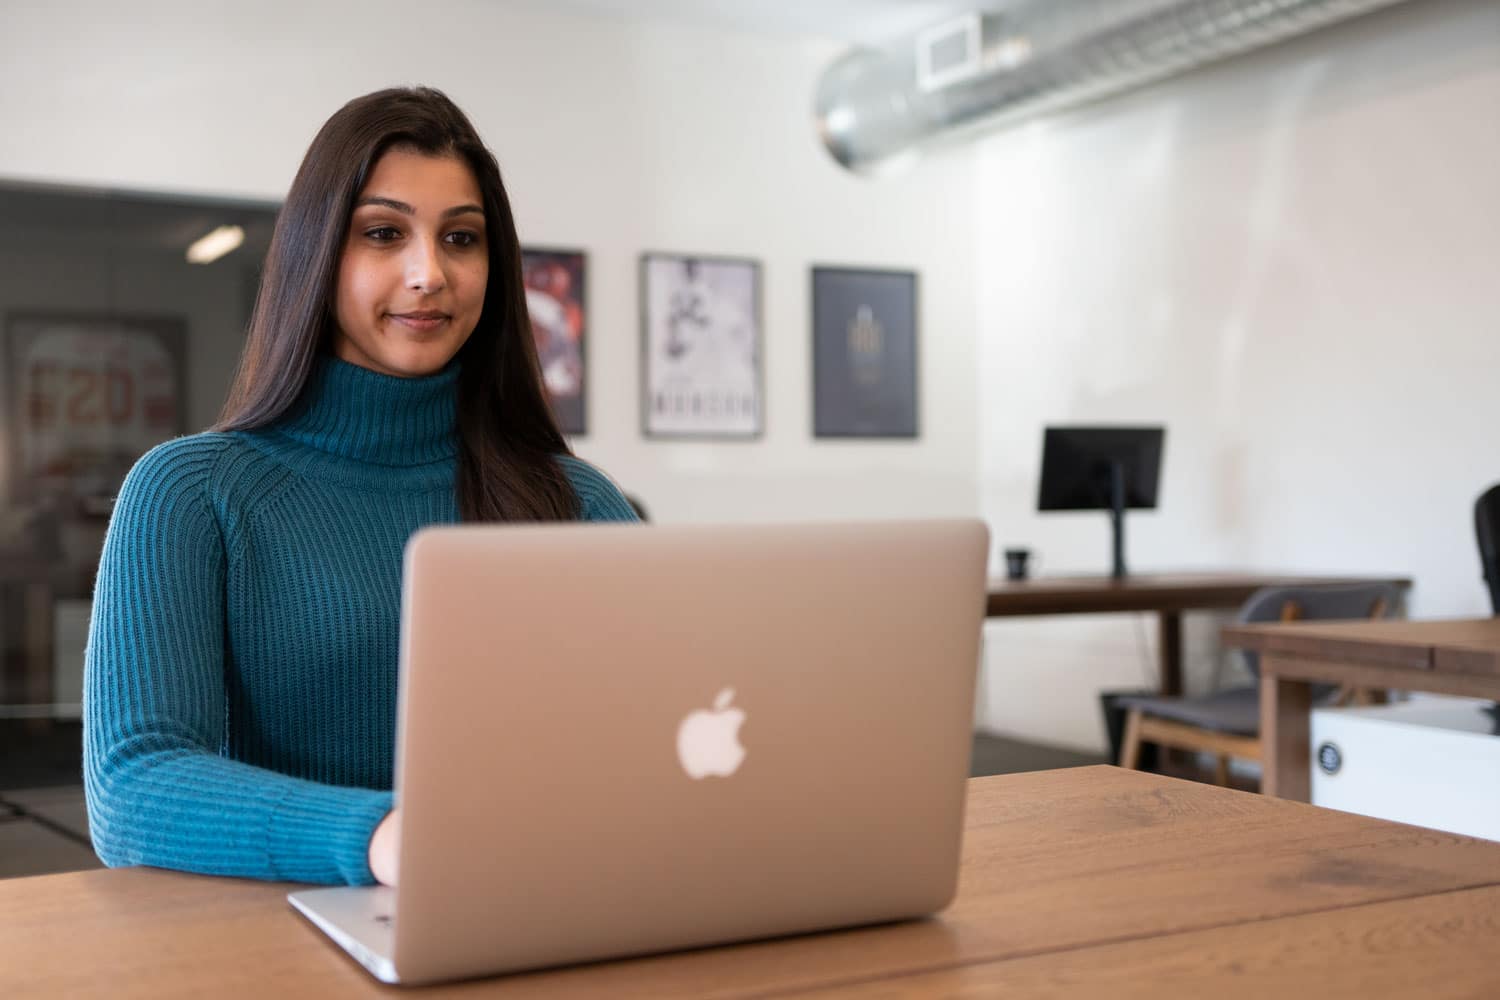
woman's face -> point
(414, 267)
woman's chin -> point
(418, 367)
(409, 360)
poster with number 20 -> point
(89, 396)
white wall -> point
(614, 136)
(1289, 259)
(1293, 261)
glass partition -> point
(121, 320)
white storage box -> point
(1433, 762)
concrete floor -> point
(45, 829)
(44, 826)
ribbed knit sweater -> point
(240, 679)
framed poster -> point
(864, 331)
(701, 347)
(555, 298)
(89, 394)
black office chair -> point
(1487, 527)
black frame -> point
(757, 306)
(843, 429)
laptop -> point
(616, 740)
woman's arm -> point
(159, 792)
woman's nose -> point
(424, 268)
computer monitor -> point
(1102, 468)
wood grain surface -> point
(1062, 595)
(1429, 947)
(1462, 645)
(1054, 862)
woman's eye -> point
(382, 234)
(463, 239)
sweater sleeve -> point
(599, 499)
(160, 789)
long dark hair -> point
(508, 439)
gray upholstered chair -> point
(1227, 723)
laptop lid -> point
(621, 739)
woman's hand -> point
(385, 848)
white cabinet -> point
(1432, 762)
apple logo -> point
(708, 741)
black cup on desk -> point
(1016, 563)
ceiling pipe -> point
(878, 107)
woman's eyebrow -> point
(399, 206)
(405, 209)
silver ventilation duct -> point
(1030, 57)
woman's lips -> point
(422, 322)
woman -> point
(241, 673)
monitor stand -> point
(1117, 515)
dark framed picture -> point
(89, 393)
(864, 333)
(700, 347)
(555, 283)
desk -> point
(1458, 656)
(1169, 595)
(1090, 881)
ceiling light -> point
(216, 244)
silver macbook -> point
(624, 739)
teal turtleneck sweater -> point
(240, 680)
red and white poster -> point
(89, 396)
(554, 281)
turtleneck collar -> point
(364, 416)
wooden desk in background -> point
(1169, 595)
(1086, 882)
(1459, 657)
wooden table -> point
(1085, 882)
(1457, 656)
(1169, 595)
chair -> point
(1227, 723)
(1487, 527)
(638, 507)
